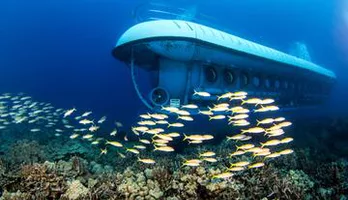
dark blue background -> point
(59, 51)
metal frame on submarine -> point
(187, 56)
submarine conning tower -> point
(187, 56)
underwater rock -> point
(76, 190)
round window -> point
(228, 76)
(277, 84)
(285, 85)
(244, 79)
(256, 81)
(267, 83)
(210, 74)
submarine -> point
(187, 56)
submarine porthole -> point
(210, 74)
(268, 83)
(277, 84)
(285, 85)
(244, 79)
(256, 81)
(228, 77)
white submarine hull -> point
(188, 56)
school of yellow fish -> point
(157, 131)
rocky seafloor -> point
(53, 168)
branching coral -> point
(38, 182)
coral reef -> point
(67, 169)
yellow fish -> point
(212, 160)
(240, 93)
(176, 125)
(217, 117)
(271, 143)
(135, 151)
(240, 164)
(221, 105)
(147, 123)
(170, 109)
(163, 137)
(69, 112)
(190, 106)
(121, 155)
(286, 152)
(144, 141)
(267, 101)
(114, 143)
(225, 96)
(183, 112)
(202, 94)
(195, 142)
(103, 151)
(238, 98)
(237, 153)
(246, 138)
(165, 149)
(147, 160)
(286, 140)
(190, 164)
(185, 118)
(205, 112)
(256, 165)
(265, 121)
(173, 134)
(254, 130)
(235, 169)
(88, 136)
(238, 117)
(158, 116)
(279, 119)
(245, 146)
(162, 122)
(139, 147)
(141, 128)
(145, 116)
(241, 111)
(73, 136)
(93, 128)
(207, 137)
(284, 124)
(207, 154)
(223, 175)
(235, 137)
(273, 155)
(255, 101)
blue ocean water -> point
(60, 52)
